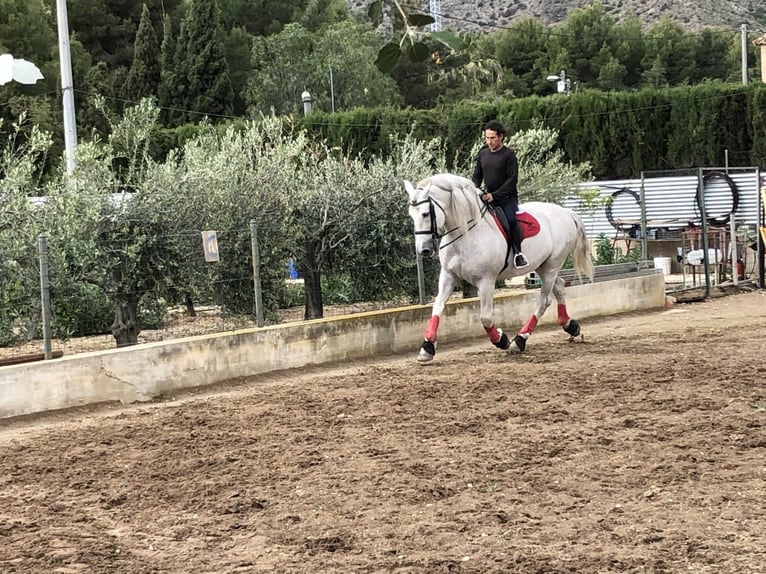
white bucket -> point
(662, 263)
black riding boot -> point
(519, 259)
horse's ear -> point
(409, 188)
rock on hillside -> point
(487, 15)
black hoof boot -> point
(503, 342)
(573, 329)
(519, 344)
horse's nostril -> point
(426, 253)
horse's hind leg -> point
(570, 326)
(550, 283)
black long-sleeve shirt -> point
(499, 171)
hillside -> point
(692, 14)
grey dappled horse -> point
(448, 208)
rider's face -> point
(493, 139)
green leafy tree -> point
(201, 83)
(349, 212)
(612, 74)
(144, 75)
(629, 48)
(107, 229)
(521, 50)
(107, 28)
(286, 64)
(25, 30)
(587, 38)
(670, 56)
(238, 47)
(22, 154)
(473, 73)
(321, 13)
(261, 18)
(410, 37)
(168, 86)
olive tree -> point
(22, 154)
(350, 213)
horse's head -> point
(427, 216)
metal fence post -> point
(704, 228)
(45, 291)
(257, 274)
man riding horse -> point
(498, 167)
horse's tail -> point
(583, 262)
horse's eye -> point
(425, 215)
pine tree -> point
(166, 88)
(202, 85)
(144, 75)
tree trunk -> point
(125, 327)
(190, 310)
(312, 287)
(312, 283)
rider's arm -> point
(478, 173)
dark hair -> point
(495, 126)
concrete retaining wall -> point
(143, 372)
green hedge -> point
(619, 133)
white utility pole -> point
(435, 8)
(744, 54)
(67, 87)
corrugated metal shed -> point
(670, 200)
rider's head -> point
(494, 132)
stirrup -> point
(520, 261)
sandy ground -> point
(642, 449)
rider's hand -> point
(487, 197)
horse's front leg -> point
(447, 283)
(550, 281)
(486, 297)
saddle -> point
(528, 226)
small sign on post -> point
(210, 245)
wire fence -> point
(214, 282)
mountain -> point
(491, 15)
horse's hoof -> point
(518, 345)
(427, 352)
(502, 343)
(424, 357)
(572, 328)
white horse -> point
(447, 209)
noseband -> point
(433, 232)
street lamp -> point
(306, 97)
(563, 84)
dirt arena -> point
(642, 449)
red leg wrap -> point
(530, 325)
(494, 334)
(433, 325)
(563, 315)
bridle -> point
(434, 231)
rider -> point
(498, 168)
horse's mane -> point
(462, 196)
